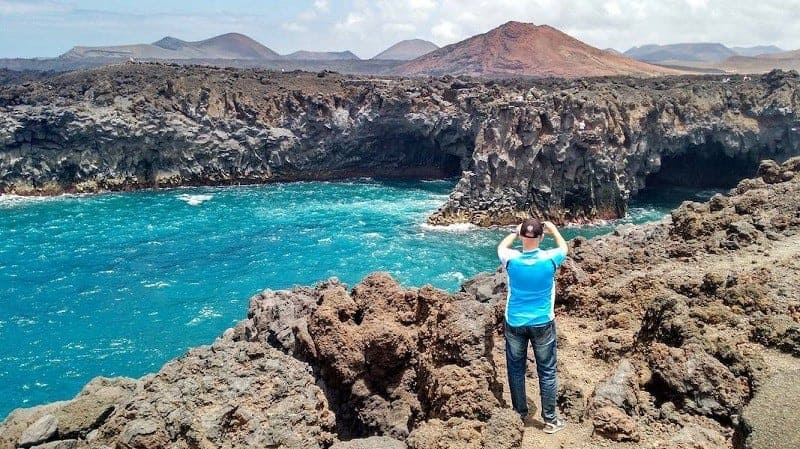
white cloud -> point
(321, 5)
(16, 7)
(613, 9)
(352, 23)
(399, 28)
(446, 31)
(294, 27)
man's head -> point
(531, 228)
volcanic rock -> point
(614, 406)
(224, 395)
(703, 384)
(39, 432)
(366, 344)
(567, 150)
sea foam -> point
(195, 200)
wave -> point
(195, 200)
(204, 314)
(157, 284)
(455, 227)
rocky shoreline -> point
(568, 150)
(673, 335)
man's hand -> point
(549, 228)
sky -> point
(45, 28)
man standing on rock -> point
(530, 316)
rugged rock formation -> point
(682, 305)
(567, 150)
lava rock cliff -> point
(568, 150)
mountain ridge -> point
(525, 49)
(223, 46)
(407, 50)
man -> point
(529, 314)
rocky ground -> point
(569, 150)
(673, 335)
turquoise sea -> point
(118, 284)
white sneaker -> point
(556, 425)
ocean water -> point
(118, 284)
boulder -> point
(702, 383)
(39, 432)
(228, 395)
(614, 406)
(502, 431)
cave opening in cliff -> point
(405, 152)
(706, 166)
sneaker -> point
(555, 425)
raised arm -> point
(507, 241)
(552, 230)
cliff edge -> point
(568, 150)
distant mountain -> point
(524, 49)
(794, 54)
(320, 55)
(407, 50)
(225, 46)
(699, 52)
(757, 50)
(613, 50)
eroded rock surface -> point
(390, 358)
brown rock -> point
(704, 384)
(614, 424)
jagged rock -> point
(696, 437)
(40, 431)
(75, 418)
(370, 443)
(502, 431)
(366, 346)
(571, 401)
(701, 382)
(667, 320)
(770, 420)
(63, 444)
(614, 406)
(92, 406)
(231, 394)
(614, 424)
(619, 389)
(571, 151)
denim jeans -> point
(543, 339)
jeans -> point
(543, 339)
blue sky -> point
(31, 28)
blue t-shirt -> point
(531, 289)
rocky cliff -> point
(567, 150)
(673, 335)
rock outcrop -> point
(566, 150)
(667, 338)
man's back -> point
(531, 293)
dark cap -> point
(531, 228)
